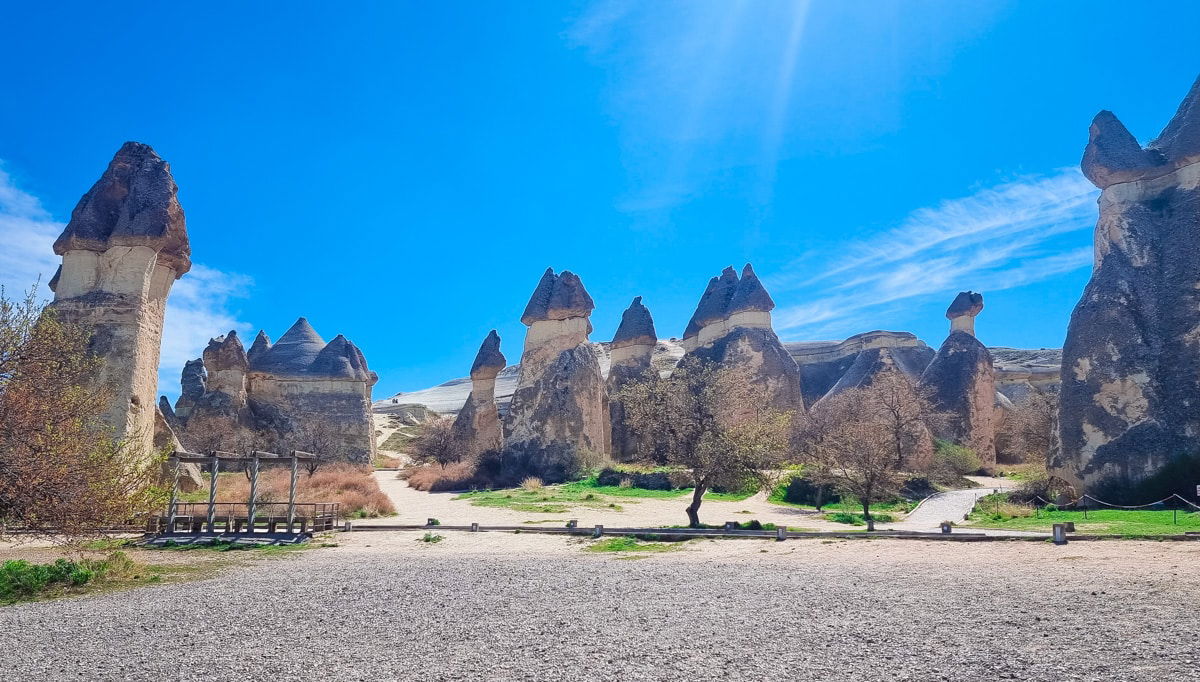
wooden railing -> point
(234, 517)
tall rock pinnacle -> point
(631, 352)
(1130, 366)
(962, 311)
(477, 426)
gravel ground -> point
(485, 606)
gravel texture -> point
(521, 607)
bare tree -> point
(907, 413)
(1026, 432)
(62, 472)
(846, 441)
(435, 443)
(711, 420)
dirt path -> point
(414, 506)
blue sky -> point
(403, 172)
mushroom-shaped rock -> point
(558, 297)
(631, 353)
(962, 311)
(293, 352)
(225, 352)
(132, 204)
(489, 361)
(1130, 372)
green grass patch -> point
(589, 485)
(552, 499)
(1116, 522)
(21, 580)
(398, 441)
(728, 497)
(431, 538)
(854, 519)
(629, 543)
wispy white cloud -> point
(998, 238)
(200, 305)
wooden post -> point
(253, 492)
(215, 468)
(292, 492)
(174, 495)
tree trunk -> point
(867, 513)
(693, 510)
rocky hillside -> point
(822, 364)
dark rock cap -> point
(636, 326)
(558, 297)
(750, 295)
(714, 304)
(164, 406)
(340, 359)
(966, 303)
(225, 352)
(489, 356)
(293, 352)
(133, 203)
(1113, 154)
(262, 344)
(1181, 138)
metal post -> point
(292, 492)
(253, 492)
(1175, 516)
(215, 469)
(174, 495)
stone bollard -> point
(431, 522)
(731, 525)
(599, 530)
(1070, 526)
(347, 527)
(474, 527)
(1060, 533)
(946, 526)
(573, 523)
(780, 534)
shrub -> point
(431, 538)
(460, 476)
(1041, 486)
(917, 488)
(998, 507)
(951, 462)
(21, 580)
(800, 490)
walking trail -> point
(414, 507)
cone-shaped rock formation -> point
(559, 410)
(1131, 362)
(477, 426)
(630, 354)
(732, 328)
(962, 382)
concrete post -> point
(946, 527)
(780, 533)
(474, 527)
(215, 467)
(598, 531)
(1060, 534)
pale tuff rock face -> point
(824, 363)
(124, 247)
(964, 384)
(962, 311)
(732, 327)
(1131, 361)
(299, 390)
(631, 356)
(560, 405)
(477, 425)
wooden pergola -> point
(218, 461)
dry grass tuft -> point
(435, 478)
(532, 484)
(352, 486)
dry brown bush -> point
(352, 486)
(435, 478)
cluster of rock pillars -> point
(1129, 380)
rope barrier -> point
(1119, 506)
